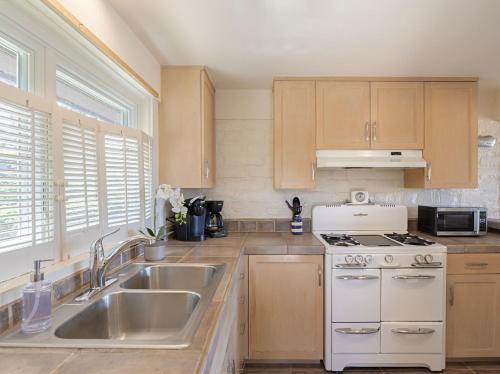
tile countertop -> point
(489, 243)
(223, 250)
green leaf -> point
(142, 232)
(161, 232)
(151, 232)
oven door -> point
(412, 294)
(355, 295)
(453, 221)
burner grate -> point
(410, 239)
(340, 240)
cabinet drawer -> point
(355, 295)
(411, 337)
(356, 338)
(412, 295)
(474, 263)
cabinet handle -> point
(320, 276)
(452, 296)
(313, 171)
(367, 131)
(374, 131)
(419, 331)
(476, 264)
(242, 300)
(429, 171)
(242, 329)
(207, 169)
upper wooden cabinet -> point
(187, 128)
(376, 115)
(342, 115)
(450, 137)
(294, 134)
(397, 115)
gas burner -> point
(409, 239)
(339, 240)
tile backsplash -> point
(245, 174)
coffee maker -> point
(194, 228)
(214, 224)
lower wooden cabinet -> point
(473, 308)
(286, 307)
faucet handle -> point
(108, 234)
(98, 242)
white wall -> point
(245, 174)
(101, 18)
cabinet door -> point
(208, 130)
(294, 134)
(473, 311)
(451, 134)
(342, 115)
(180, 151)
(286, 307)
(397, 115)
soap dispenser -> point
(37, 302)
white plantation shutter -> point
(123, 180)
(26, 177)
(147, 157)
(81, 188)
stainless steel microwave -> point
(448, 221)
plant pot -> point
(156, 251)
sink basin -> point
(146, 306)
(132, 316)
(172, 277)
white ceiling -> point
(247, 42)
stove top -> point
(385, 240)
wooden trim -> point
(74, 22)
(381, 79)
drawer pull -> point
(419, 276)
(362, 331)
(419, 331)
(476, 264)
(357, 277)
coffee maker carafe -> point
(214, 224)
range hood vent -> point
(370, 159)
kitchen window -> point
(14, 65)
(75, 94)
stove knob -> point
(428, 258)
(358, 259)
(419, 259)
(348, 259)
(388, 259)
(368, 259)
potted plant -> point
(176, 199)
(157, 250)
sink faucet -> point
(99, 263)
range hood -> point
(370, 159)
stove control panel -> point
(396, 260)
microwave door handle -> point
(476, 221)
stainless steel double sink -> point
(148, 306)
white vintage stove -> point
(385, 289)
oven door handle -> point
(357, 277)
(419, 331)
(350, 266)
(427, 265)
(360, 331)
(418, 276)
